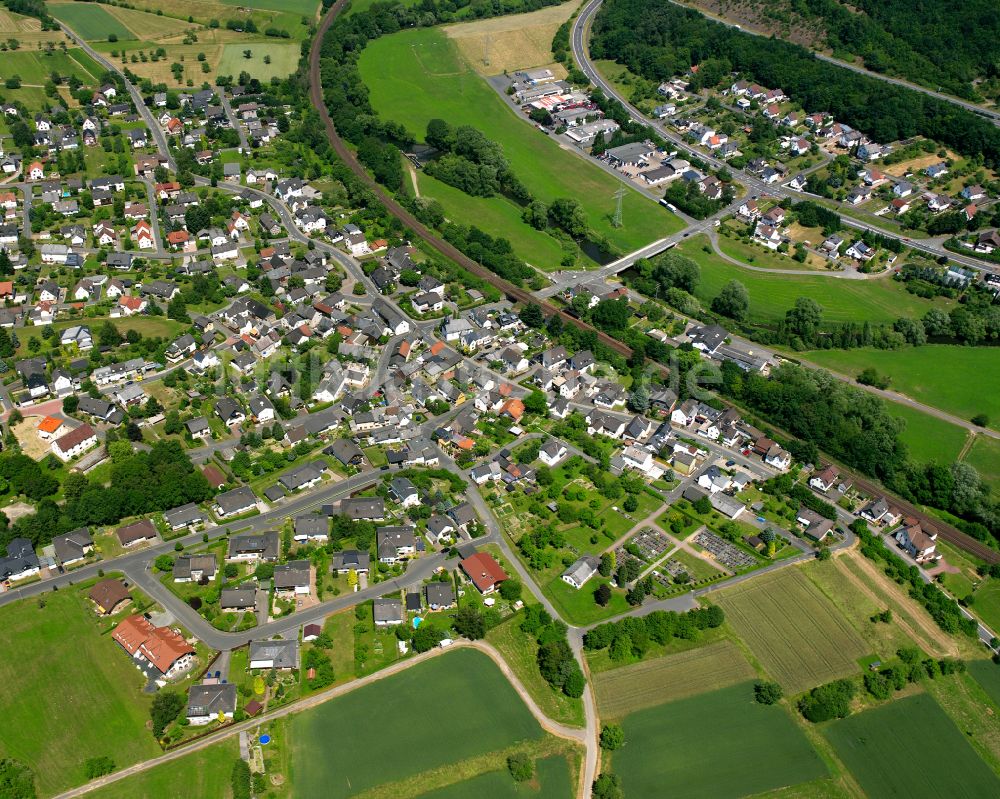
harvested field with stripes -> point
(652, 682)
(796, 633)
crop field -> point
(27, 30)
(648, 683)
(98, 708)
(985, 456)
(416, 75)
(720, 744)
(771, 295)
(340, 746)
(306, 8)
(552, 781)
(90, 20)
(935, 374)
(798, 635)
(284, 59)
(507, 44)
(149, 26)
(35, 67)
(926, 437)
(206, 772)
(870, 745)
(987, 674)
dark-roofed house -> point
(184, 516)
(208, 703)
(109, 596)
(303, 477)
(21, 561)
(311, 528)
(363, 508)
(136, 533)
(440, 596)
(292, 578)
(351, 559)
(281, 655)
(346, 451)
(73, 547)
(254, 546)
(238, 500)
(395, 543)
(242, 597)
(404, 492)
(388, 612)
(194, 568)
(485, 573)
(462, 514)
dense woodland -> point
(659, 40)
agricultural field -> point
(27, 30)
(98, 709)
(926, 437)
(935, 374)
(746, 747)
(305, 8)
(150, 27)
(339, 747)
(36, 67)
(92, 21)
(414, 76)
(506, 44)
(987, 674)
(284, 59)
(552, 781)
(869, 744)
(628, 689)
(797, 634)
(206, 772)
(772, 295)
(985, 456)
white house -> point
(578, 573)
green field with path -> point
(306, 8)
(720, 744)
(207, 773)
(985, 456)
(36, 67)
(963, 381)
(89, 20)
(926, 437)
(447, 709)
(874, 746)
(417, 75)
(552, 781)
(771, 295)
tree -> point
(166, 707)
(767, 693)
(733, 301)
(638, 398)
(510, 589)
(607, 565)
(97, 767)
(804, 318)
(521, 767)
(70, 403)
(532, 316)
(469, 623)
(980, 420)
(607, 786)
(426, 637)
(164, 563)
(612, 737)
(241, 780)
(602, 595)
(535, 402)
(567, 214)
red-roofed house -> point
(142, 234)
(36, 171)
(484, 572)
(513, 408)
(131, 305)
(177, 238)
(167, 651)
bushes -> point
(97, 767)
(521, 767)
(167, 706)
(242, 783)
(555, 659)
(631, 637)
(830, 701)
(767, 693)
(612, 737)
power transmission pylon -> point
(617, 220)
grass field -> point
(416, 75)
(927, 437)
(358, 6)
(284, 59)
(97, 708)
(935, 374)
(520, 650)
(552, 781)
(771, 295)
(796, 633)
(512, 42)
(985, 456)
(306, 8)
(871, 746)
(720, 744)
(35, 67)
(987, 674)
(206, 772)
(147, 325)
(90, 20)
(447, 709)
(631, 688)
(149, 26)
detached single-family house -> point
(580, 571)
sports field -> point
(874, 746)
(417, 75)
(640, 685)
(552, 781)
(90, 20)
(284, 59)
(985, 456)
(720, 744)
(964, 381)
(926, 437)
(771, 295)
(206, 772)
(69, 693)
(36, 67)
(447, 709)
(796, 633)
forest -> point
(658, 41)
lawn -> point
(579, 607)
(461, 700)
(416, 75)
(206, 772)
(985, 456)
(552, 781)
(987, 603)
(796, 633)
(520, 650)
(284, 59)
(771, 295)
(628, 689)
(871, 746)
(70, 693)
(935, 374)
(720, 744)
(35, 68)
(149, 326)
(305, 8)
(89, 20)
(926, 437)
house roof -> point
(75, 437)
(210, 700)
(108, 593)
(483, 570)
(50, 424)
(137, 531)
(163, 647)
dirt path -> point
(922, 630)
(413, 180)
(559, 730)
